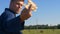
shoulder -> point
(7, 15)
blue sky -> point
(48, 12)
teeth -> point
(34, 7)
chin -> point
(17, 12)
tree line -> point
(42, 27)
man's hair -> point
(16, 0)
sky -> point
(48, 12)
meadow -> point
(41, 31)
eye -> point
(17, 3)
(21, 4)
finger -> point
(30, 7)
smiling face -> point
(16, 5)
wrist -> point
(21, 19)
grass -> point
(41, 31)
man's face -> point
(17, 6)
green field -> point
(42, 31)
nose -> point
(19, 6)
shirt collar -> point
(9, 10)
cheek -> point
(16, 6)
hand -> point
(26, 13)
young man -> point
(10, 24)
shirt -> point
(10, 24)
